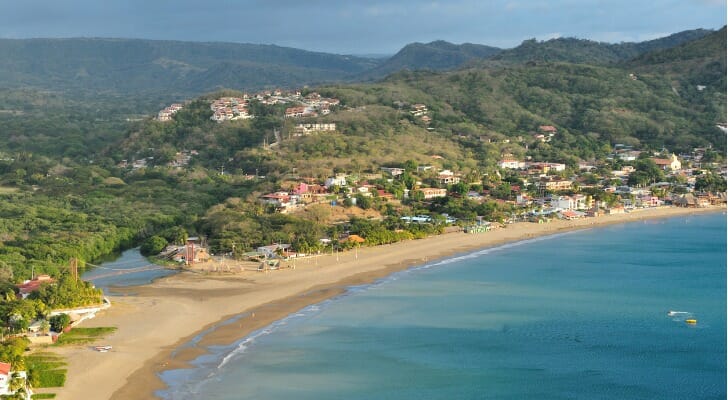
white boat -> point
(676, 313)
(102, 349)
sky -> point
(359, 26)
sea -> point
(578, 315)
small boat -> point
(102, 349)
(691, 321)
(676, 313)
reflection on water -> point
(127, 260)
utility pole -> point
(73, 268)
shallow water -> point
(572, 316)
(128, 260)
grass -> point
(83, 335)
(8, 190)
(45, 370)
(43, 396)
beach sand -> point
(157, 321)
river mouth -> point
(129, 268)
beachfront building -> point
(575, 202)
(10, 379)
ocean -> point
(579, 315)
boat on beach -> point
(102, 349)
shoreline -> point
(168, 323)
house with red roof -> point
(31, 286)
(668, 164)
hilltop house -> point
(431, 193)
(306, 129)
(338, 180)
(447, 177)
(511, 163)
(418, 110)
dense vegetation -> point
(436, 56)
(131, 66)
(590, 52)
(76, 202)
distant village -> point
(235, 108)
(546, 178)
(537, 191)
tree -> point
(59, 322)
(45, 326)
(152, 246)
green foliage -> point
(153, 246)
(127, 66)
(587, 51)
(438, 56)
(710, 182)
(11, 351)
(59, 322)
(68, 292)
(43, 396)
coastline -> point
(157, 322)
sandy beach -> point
(156, 321)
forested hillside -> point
(69, 185)
(435, 56)
(590, 52)
(127, 66)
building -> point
(576, 202)
(447, 177)
(668, 164)
(300, 111)
(6, 374)
(431, 193)
(555, 185)
(338, 180)
(511, 163)
(307, 129)
(418, 110)
(30, 286)
(393, 171)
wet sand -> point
(157, 322)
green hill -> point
(126, 66)
(436, 56)
(476, 115)
(590, 52)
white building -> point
(510, 163)
(338, 180)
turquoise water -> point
(581, 315)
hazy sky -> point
(361, 26)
